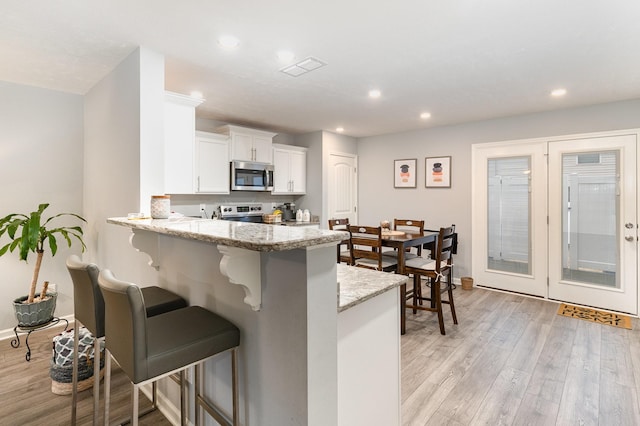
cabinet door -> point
(281, 179)
(242, 147)
(262, 149)
(179, 131)
(212, 165)
(298, 171)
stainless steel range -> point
(245, 212)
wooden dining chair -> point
(412, 227)
(435, 270)
(366, 249)
(344, 250)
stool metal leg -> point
(197, 392)
(107, 385)
(183, 402)
(234, 384)
(96, 379)
(134, 405)
(74, 375)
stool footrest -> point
(212, 410)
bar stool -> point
(88, 307)
(148, 349)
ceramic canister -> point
(160, 206)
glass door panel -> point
(590, 218)
(509, 215)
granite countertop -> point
(296, 223)
(357, 285)
(250, 236)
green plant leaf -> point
(33, 231)
(53, 244)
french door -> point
(593, 222)
(557, 219)
(510, 217)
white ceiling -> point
(461, 60)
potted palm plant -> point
(31, 233)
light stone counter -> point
(250, 236)
(357, 285)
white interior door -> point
(593, 222)
(509, 217)
(343, 189)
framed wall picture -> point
(438, 172)
(404, 173)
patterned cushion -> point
(63, 347)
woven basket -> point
(271, 218)
(61, 371)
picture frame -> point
(404, 173)
(438, 172)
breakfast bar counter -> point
(303, 336)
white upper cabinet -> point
(289, 169)
(249, 144)
(212, 163)
(179, 134)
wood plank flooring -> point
(511, 361)
(25, 389)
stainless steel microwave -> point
(251, 176)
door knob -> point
(628, 225)
(629, 238)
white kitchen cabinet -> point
(179, 134)
(211, 163)
(249, 144)
(289, 169)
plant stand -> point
(28, 330)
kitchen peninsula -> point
(319, 341)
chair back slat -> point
(444, 248)
(410, 226)
(344, 255)
(366, 243)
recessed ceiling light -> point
(196, 94)
(228, 42)
(425, 115)
(339, 129)
(285, 55)
(374, 94)
(558, 92)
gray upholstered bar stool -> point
(88, 306)
(151, 348)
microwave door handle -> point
(269, 179)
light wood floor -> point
(25, 389)
(512, 360)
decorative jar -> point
(160, 206)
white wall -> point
(116, 180)
(439, 206)
(40, 162)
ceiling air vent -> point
(303, 67)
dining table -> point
(401, 241)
